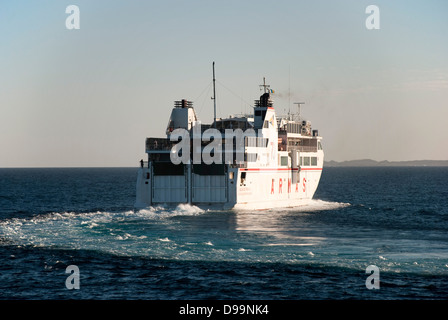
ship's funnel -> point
(182, 116)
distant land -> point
(385, 163)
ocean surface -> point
(395, 218)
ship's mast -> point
(214, 95)
(264, 85)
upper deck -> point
(262, 138)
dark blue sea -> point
(394, 218)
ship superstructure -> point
(257, 161)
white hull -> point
(238, 188)
(268, 189)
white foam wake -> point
(310, 206)
(321, 205)
(71, 229)
(161, 212)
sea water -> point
(394, 218)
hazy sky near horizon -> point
(90, 97)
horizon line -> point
(137, 166)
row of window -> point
(304, 161)
(308, 161)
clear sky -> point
(90, 97)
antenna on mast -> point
(299, 105)
(289, 91)
(214, 95)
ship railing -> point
(302, 145)
(307, 148)
(159, 144)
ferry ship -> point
(259, 161)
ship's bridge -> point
(238, 122)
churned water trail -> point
(161, 232)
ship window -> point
(306, 161)
(314, 161)
(243, 178)
(257, 113)
(319, 145)
(284, 161)
(266, 124)
(231, 175)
